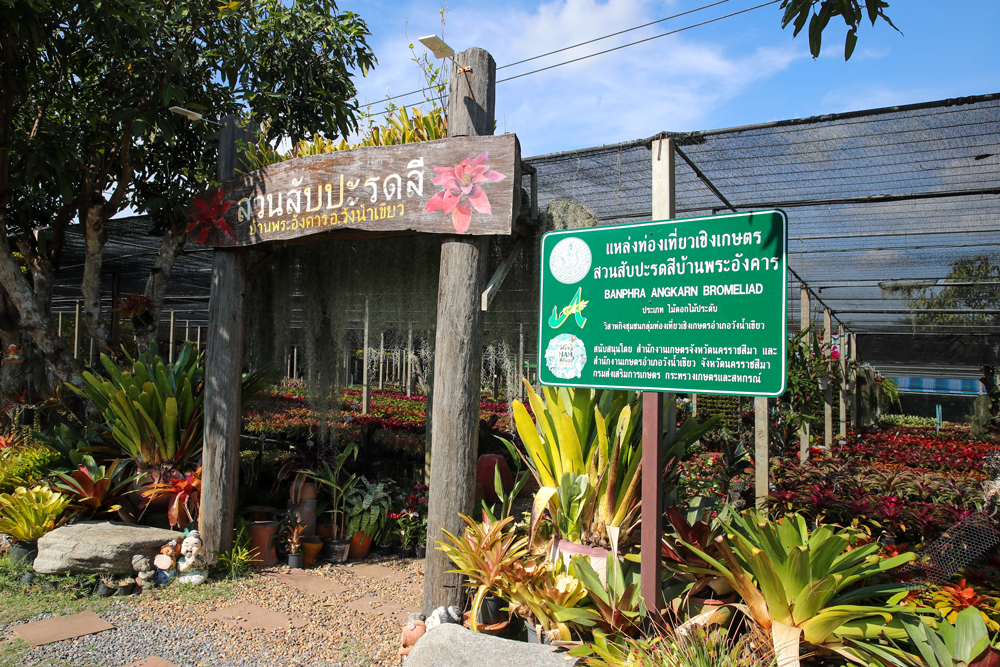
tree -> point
(819, 12)
(972, 285)
(85, 127)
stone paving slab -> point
(379, 607)
(250, 616)
(154, 661)
(373, 571)
(59, 628)
(313, 584)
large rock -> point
(451, 645)
(99, 547)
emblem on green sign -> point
(575, 307)
(565, 356)
(570, 260)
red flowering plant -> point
(184, 492)
(209, 220)
(462, 191)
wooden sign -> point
(462, 185)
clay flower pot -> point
(486, 468)
(264, 538)
(360, 544)
(311, 549)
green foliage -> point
(973, 285)
(618, 601)
(906, 420)
(96, 489)
(797, 12)
(155, 410)
(236, 562)
(71, 445)
(27, 514)
(808, 368)
(368, 508)
(967, 643)
(24, 465)
(800, 583)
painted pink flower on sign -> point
(461, 191)
(208, 219)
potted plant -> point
(26, 515)
(183, 493)
(420, 541)
(311, 546)
(125, 586)
(368, 506)
(408, 526)
(292, 537)
(339, 486)
(106, 586)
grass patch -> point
(22, 602)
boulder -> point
(451, 645)
(102, 547)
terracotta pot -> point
(260, 512)
(264, 538)
(308, 491)
(307, 514)
(498, 629)
(311, 551)
(360, 544)
(486, 468)
(324, 530)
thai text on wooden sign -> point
(690, 305)
(462, 185)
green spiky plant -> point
(27, 514)
(154, 411)
(799, 584)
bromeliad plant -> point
(154, 411)
(799, 584)
(184, 492)
(485, 554)
(967, 643)
(27, 514)
(96, 489)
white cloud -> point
(672, 83)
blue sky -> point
(738, 71)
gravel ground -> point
(172, 624)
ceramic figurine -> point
(413, 631)
(14, 355)
(443, 615)
(192, 567)
(145, 572)
(166, 562)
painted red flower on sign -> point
(209, 219)
(461, 191)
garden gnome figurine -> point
(145, 572)
(192, 566)
(166, 562)
(413, 631)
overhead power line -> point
(640, 41)
(591, 41)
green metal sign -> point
(690, 305)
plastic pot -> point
(404, 552)
(336, 551)
(384, 549)
(23, 553)
(489, 610)
(420, 551)
(105, 591)
(125, 589)
(295, 561)
(533, 634)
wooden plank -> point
(828, 392)
(761, 461)
(805, 310)
(376, 190)
(493, 287)
(653, 409)
(454, 407)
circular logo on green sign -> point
(570, 260)
(566, 355)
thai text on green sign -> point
(689, 305)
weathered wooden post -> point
(458, 345)
(655, 411)
(828, 390)
(805, 311)
(223, 372)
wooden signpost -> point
(465, 185)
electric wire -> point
(591, 41)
